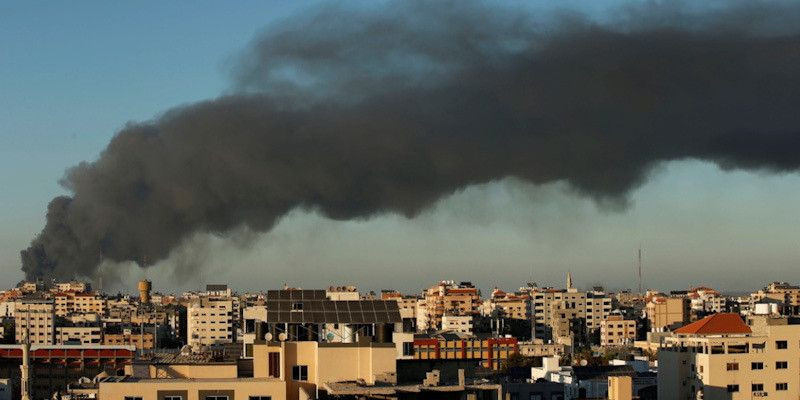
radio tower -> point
(639, 267)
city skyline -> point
(695, 221)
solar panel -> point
(316, 308)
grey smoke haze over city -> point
(400, 144)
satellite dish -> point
(584, 363)
(268, 337)
(282, 336)
(330, 336)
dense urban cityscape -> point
(450, 341)
(340, 200)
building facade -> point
(721, 357)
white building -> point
(210, 321)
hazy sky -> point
(72, 74)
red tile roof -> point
(717, 324)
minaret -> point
(25, 377)
(570, 286)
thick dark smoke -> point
(356, 113)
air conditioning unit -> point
(760, 394)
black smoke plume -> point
(359, 112)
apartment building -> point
(210, 321)
(617, 331)
(722, 357)
(598, 308)
(507, 305)
(788, 295)
(457, 323)
(37, 317)
(138, 338)
(664, 313)
(84, 303)
(556, 313)
(79, 335)
(704, 299)
(450, 298)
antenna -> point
(639, 265)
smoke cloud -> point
(355, 113)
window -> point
(408, 348)
(216, 397)
(297, 306)
(781, 344)
(757, 365)
(757, 387)
(782, 386)
(173, 397)
(300, 372)
(274, 364)
(260, 398)
(536, 396)
(781, 364)
(132, 398)
(732, 366)
(733, 388)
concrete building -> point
(129, 336)
(507, 305)
(281, 370)
(210, 321)
(592, 382)
(557, 313)
(616, 331)
(71, 286)
(37, 317)
(490, 351)
(79, 335)
(704, 300)
(84, 303)
(665, 313)
(598, 308)
(722, 357)
(787, 294)
(457, 323)
(620, 387)
(450, 298)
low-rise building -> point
(457, 323)
(79, 335)
(665, 313)
(617, 331)
(281, 370)
(129, 336)
(491, 352)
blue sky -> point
(73, 73)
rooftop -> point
(717, 324)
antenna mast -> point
(639, 265)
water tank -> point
(144, 290)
